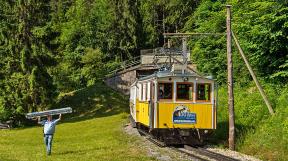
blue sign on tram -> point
(182, 115)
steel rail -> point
(189, 154)
(198, 150)
(49, 112)
(161, 144)
(189, 149)
(210, 154)
(154, 141)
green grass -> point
(257, 132)
(93, 132)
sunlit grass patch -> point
(94, 139)
(94, 132)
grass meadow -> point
(93, 132)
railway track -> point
(190, 154)
(148, 137)
(196, 153)
(209, 154)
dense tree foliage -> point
(53, 46)
(26, 84)
(261, 27)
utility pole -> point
(184, 50)
(230, 81)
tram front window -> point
(165, 91)
(203, 92)
(184, 91)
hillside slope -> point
(94, 132)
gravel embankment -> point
(168, 154)
(160, 153)
(233, 154)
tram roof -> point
(163, 74)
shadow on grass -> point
(68, 152)
(80, 151)
(94, 101)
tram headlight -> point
(185, 79)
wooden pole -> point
(184, 50)
(264, 96)
(230, 81)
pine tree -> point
(25, 83)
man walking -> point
(49, 130)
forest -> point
(54, 46)
(50, 47)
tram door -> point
(151, 104)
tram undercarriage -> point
(177, 136)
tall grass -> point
(258, 133)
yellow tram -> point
(176, 108)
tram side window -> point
(132, 93)
(144, 91)
(140, 92)
(185, 91)
(148, 91)
(165, 91)
(203, 92)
